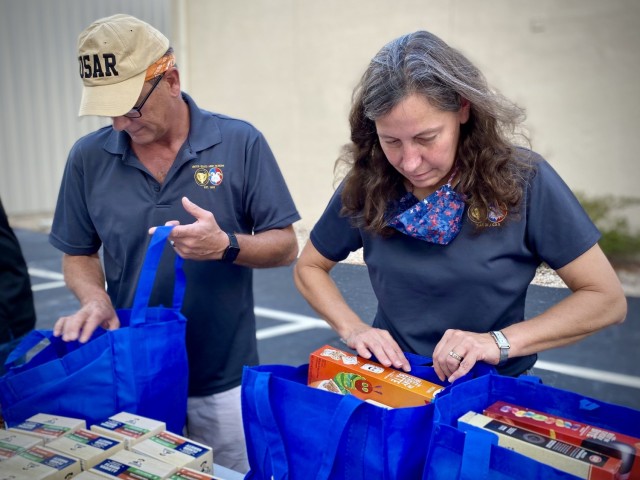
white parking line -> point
(589, 373)
(47, 286)
(48, 274)
(298, 323)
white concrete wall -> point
(289, 67)
(40, 91)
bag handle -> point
(148, 275)
(339, 423)
(262, 392)
(476, 455)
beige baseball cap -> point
(114, 54)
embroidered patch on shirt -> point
(493, 218)
(208, 176)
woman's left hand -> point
(458, 351)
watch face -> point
(501, 339)
(230, 254)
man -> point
(17, 312)
(162, 161)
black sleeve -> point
(17, 312)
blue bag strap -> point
(476, 456)
(148, 275)
(340, 422)
(422, 367)
(280, 468)
(529, 379)
(29, 347)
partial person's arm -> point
(205, 240)
(84, 276)
(311, 276)
(596, 302)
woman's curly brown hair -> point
(491, 174)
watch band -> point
(503, 345)
(232, 251)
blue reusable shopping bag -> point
(470, 453)
(298, 432)
(140, 368)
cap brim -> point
(111, 100)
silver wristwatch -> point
(503, 345)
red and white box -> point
(578, 461)
(613, 444)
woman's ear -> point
(465, 110)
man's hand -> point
(83, 323)
(201, 240)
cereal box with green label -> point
(345, 373)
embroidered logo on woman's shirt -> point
(493, 218)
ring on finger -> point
(172, 243)
(456, 356)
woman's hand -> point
(458, 351)
(367, 340)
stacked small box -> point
(190, 474)
(126, 464)
(14, 442)
(129, 428)
(614, 444)
(176, 450)
(90, 448)
(48, 427)
(88, 476)
(40, 463)
(578, 461)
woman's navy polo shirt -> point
(476, 283)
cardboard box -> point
(129, 428)
(130, 465)
(341, 372)
(610, 443)
(190, 474)
(14, 442)
(48, 427)
(88, 476)
(40, 463)
(572, 459)
(176, 450)
(88, 447)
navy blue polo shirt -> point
(476, 283)
(108, 199)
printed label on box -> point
(337, 371)
(569, 458)
(623, 447)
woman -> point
(453, 220)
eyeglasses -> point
(136, 112)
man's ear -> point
(172, 77)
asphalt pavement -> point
(604, 366)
